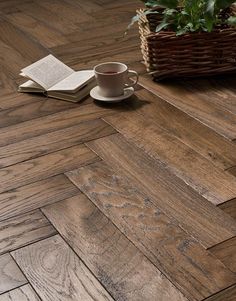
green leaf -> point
(161, 26)
(224, 3)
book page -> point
(47, 71)
(74, 81)
(30, 86)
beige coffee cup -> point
(113, 77)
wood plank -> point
(226, 252)
(23, 293)
(196, 171)
(10, 275)
(212, 115)
(42, 107)
(54, 141)
(23, 43)
(232, 170)
(53, 122)
(195, 214)
(44, 167)
(48, 17)
(226, 295)
(7, 84)
(121, 268)
(33, 196)
(24, 229)
(56, 273)
(45, 35)
(217, 149)
(178, 256)
(229, 208)
(13, 99)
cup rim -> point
(116, 63)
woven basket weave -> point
(190, 55)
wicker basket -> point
(197, 54)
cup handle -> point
(132, 73)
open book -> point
(55, 79)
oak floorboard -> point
(232, 170)
(226, 295)
(24, 229)
(33, 196)
(56, 273)
(45, 35)
(200, 218)
(11, 100)
(53, 122)
(218, 150)
(121, 268)
(189, 266)
(42, 107)
(214, 184)
(10, 275)
(23, 43)
(229, 208)
(23, 293)
(226, 252)
(45, 166)
(54, 141)
(210, 114)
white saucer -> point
(94, 93)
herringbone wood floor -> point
(127, 202)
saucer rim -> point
(112, 99)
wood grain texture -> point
(229, 208)
(33, 196)
(57, 273)
(156, 235)
(23, 293)
(200, 218)
(43, 107)
(53, 141)
(232, 170)
(217, 118)
(10, 274)
(23, 230)
(218, 150)
(226, 252)
(196, 171)
(44, 167)
(53, 122)
(225, 295)
(121, 268)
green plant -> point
(190, 15)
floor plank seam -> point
(24, 275)
(215, 294)
(166, 275)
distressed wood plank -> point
(45, 35)
(23, 293)
(232, 170)
(196, 171)
(121, 268)
(53, 122)
(229, 208)
(42, 107)
(226, 252)
(226, 295)
(199, 217)
(190, 267)
(210, 114)
(24, 229)
(217, 149)
(45, 166)
(35, 195)
(54, 141)
(10, 275)
(56, 273)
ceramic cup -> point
(113, 77)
